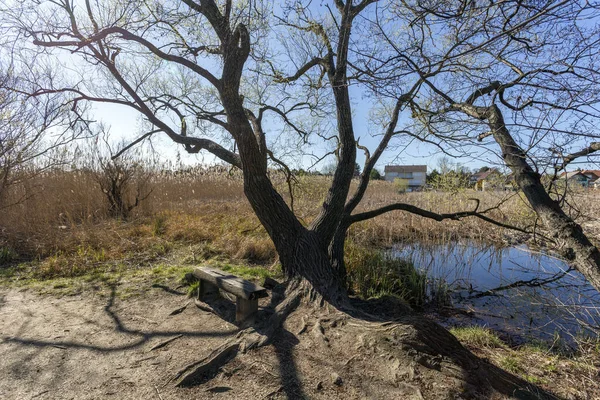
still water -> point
(513, 290)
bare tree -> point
(32, 130)
(203, 74)
(524, 74)
(124, 180)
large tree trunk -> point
(573, 243)
(303, 252)
(336, 251)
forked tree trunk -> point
(303, 253)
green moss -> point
(246, 271)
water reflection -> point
(512, 290)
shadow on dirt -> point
(430, 346)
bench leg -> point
(245, 308)
(207, 288)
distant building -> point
(585, 177)
(414, 174)
(486, 180)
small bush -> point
(401, 185)
(7, 255)
(256, 250)
(159, 225)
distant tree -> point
(445, 164)
(124, 180)
(26, 147)
(432, 177)
(356, 169)
(375, 174)
(329, 169)
(401, 185)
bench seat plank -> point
(230, 283)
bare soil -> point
(98, 345)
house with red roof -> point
(583, 177)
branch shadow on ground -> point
(282, 341)
(143, 336)
(290, 383)
(427, 338)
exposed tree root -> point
(204, 306)
(250, 338)
(179, 310)
(410, 347)
(165, 342)
(205, 369)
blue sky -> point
(125, 123)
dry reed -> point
(64, 212)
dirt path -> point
(90, 347)
(98, 346)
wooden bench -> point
(246, 292)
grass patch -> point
(159, 225)
(477, 336)
(7, 255)
(371, 273)
(192, 290)
(169, 271)
(511, 364)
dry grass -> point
(571, 374)
(64, 217)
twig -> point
(144, 319)
(279, 389)
(350, 359)
(179, 310)
(263, 367)
(166, 342)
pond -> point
(513, 290)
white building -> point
(414, 174)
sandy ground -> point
(95, 346)
(98, 345)
(91, 346)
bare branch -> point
(102, 34)
(592, 148)
(431, 215)
(301, 71)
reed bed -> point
(64, 213)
